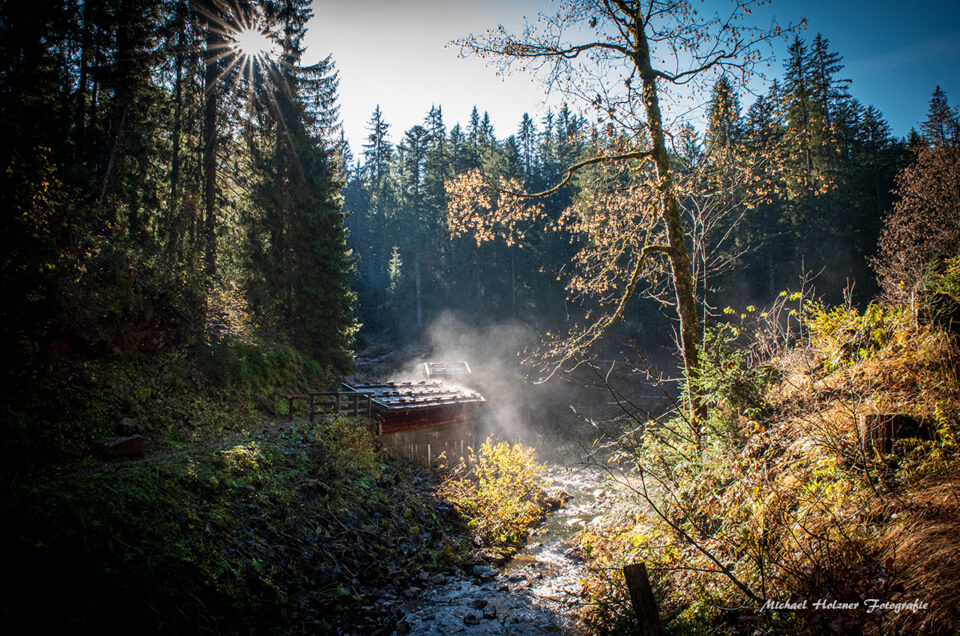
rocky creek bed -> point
(535, 592)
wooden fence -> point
(331, 402)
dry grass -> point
(801, 511)
(906, 513)
(923, 544)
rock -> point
(423, 576)
(573, 554)
(128, 426)
(438, 579)
(403, 627)
(516, 576)
(471, 619)
(495, 559)
(412, 592)
(552, 503)
(479, 603)
(129, 446)
(489, 612)
(484, 572)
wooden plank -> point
(426, 444)
(291, 399)
(644, 603)
(397, 421)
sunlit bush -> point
(844, 336)
(500, 493)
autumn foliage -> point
(925, 224)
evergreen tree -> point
(942, 125)
(723, 116)
(527, 139)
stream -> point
(535, 592)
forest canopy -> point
(159, 172)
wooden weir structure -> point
(418, 420)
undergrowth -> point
(777, 499)
(279, 533)
(499, 490)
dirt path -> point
(111, 465)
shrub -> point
(843, 336)
(500, 493)
(925, 223)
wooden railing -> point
(326, 402)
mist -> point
(494, 353)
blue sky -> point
(395, 54)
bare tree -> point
(631, 56)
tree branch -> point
(571, 171)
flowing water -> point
(535, 592)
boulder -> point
(128, 427)
(484, 572)
(127, 446)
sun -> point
(253, 43)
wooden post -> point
(311, 408)
(875, 433)
(644, 603)
(356, 404)
(289, 408)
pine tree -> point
(723, 118)
(942, 125)
(305, 266)
(827, 92)
(527, 139)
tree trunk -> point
(81, 106)
(113, 157)
(416, 271)
(513, 280)
(173, 207)
(93, 107)
(210, 139)
(476, 273)
(680, 264)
